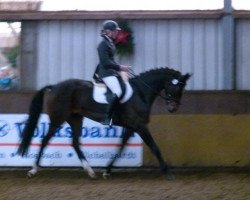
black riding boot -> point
(110, 110)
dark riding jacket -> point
(107, 65)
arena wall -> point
(210, 129)
(202, 140)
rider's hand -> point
(124, 68)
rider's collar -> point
(108, 38)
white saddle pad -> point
(99, 91)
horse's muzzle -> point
(172, 106)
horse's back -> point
(63, 94)
(71, 83)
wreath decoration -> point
(125, 40)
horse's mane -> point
(162, 70)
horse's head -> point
(151, 83)
(173, 90)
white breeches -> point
(113, 84)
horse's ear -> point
(187, 76)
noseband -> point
(169, 98)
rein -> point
(132, 73)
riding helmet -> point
(110, 25)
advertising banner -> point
(99, 144)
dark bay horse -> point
(71, 100)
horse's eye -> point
(175, 81)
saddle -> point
(101, 93)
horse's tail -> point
(35, 110)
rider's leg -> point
(114, 85)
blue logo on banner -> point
(4, 128)
(65, 132)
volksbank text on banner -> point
(99, 144)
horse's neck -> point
(149, 89)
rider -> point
(108, 70)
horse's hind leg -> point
(57, 114)
(125, 136)
(51, 132)
(148, 139)
(75, 121)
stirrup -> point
(111, 123)
(107, 122)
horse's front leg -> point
(149, 141)
(125, 136)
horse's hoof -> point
(169, 177)
(32, 172)
(106, 175)
(93, 176)
(30, 175)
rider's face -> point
(113, 34)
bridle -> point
(168, 97)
